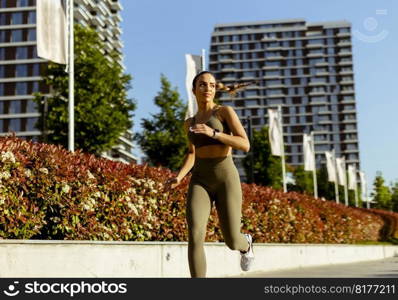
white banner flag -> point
(275, 132)
(52, 37)
(352, 177)
(341, 172)
(330, 165)
(364, 186)
(309, 162)
(194, 66)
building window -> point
(21, 71)
(32, 17)
(17, 18)
(16, 35)
(36, 70)
(22, 53)
(3, 37)
(32, 34)
(30, 106)
(14, 125)
(21, 3)
(30, 124)
(35, 87)
(21, 88)
(15, 107)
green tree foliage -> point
(381, 193)
(326, 189)
(303, 181)
(267, 169)
(394, 197)
(102, 109)
(163, 139)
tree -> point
(304, 181)
(394, 197)
(102, 109)
(267, 169)
(381, 194)
(326, 189)
(163, 139)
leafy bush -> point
(47, 192)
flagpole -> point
(336, 184)
(345, 183)
(283, 149)
(356, 195)
(314, 171)
(71, 68)
(203, 60)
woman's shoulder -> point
(225, 110)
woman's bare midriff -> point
(213, 151)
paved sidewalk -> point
(380, 268)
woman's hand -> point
(202, 128)
(171, 183)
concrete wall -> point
(20, 258)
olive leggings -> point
(213, 179)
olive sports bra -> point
(200, 140)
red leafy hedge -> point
(47, 192)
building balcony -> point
(322, 64)
(115, 4)
(344, 53)
(103, 8)
(225, 51)
(20, 115)
(345, 63)
(117, 18)
(316, 83)
(98, 21)
(344, 34)
(347, 92)
(82, 13)
(310, 46)
(317, 93)
(275, 58)
(270, 67)
(348, 121)
(116, 30)
(271, 48)
(346, 82)
(346, 72)
(342, 44)
(82, 2)
(315, 55)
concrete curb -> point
(88, 259)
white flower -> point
(97, 194)
(43, 170)
(5, 175)
(28, 173)
(90, 176)
(65, 188)
(133, 208)
(7, 157)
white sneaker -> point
(247, 258)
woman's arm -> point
(188, 161)
(239, 138)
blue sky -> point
(157, 34)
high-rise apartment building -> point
(306, 68)
(21, 68)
